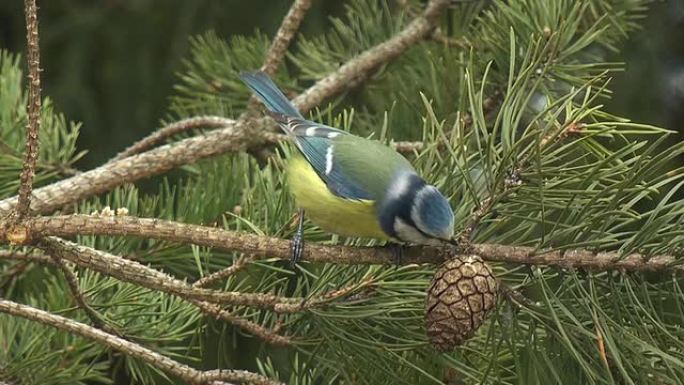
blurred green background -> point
(112, 64)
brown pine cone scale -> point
(462, 292)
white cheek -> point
(408, 233)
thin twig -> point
(267, 247)
(210, 279)
(356, 70)
(439, 37)
(30, 256)
(172, 129)
(257, 330)
(288, 28)
(72, 281)
(275, 55)
(236, 137)
(34, 102)
(276, 52)
(132, 349)
(512, 180)
(13, 273)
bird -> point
(353, 186)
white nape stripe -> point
(399, 186)
(311, 131)
(333, 134)
(329, 160)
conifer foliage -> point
(498, 103)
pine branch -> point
(72, 281)
(210, 309)
(267, 335)
(440, 37)
(31, 151)
(132, 349)
(281, 41)
(12, 273)
(197, 122)
(236, 137)
(267, 247)
(31, 256)
(150, 163)
(288, 28)
(512, 180)
(136, 273)
(358, 69)
(486, 206)
(403, 147)
(220, 275)
(172, 129)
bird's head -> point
(416, 212)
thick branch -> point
(153, 162)
(33, 127)
(288, 28)
(267, 247)
(131, 349)
(236, 137)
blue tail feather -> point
(269, 93)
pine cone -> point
(461, 293)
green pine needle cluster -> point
(610, 185)
(58, 137)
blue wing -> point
(317, 143)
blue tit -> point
(354, 186)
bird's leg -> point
(397, 251)
(297, 247)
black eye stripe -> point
(411, 223)
(393, 206)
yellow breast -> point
(352, 218)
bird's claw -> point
(397, 251)
(296, 248)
